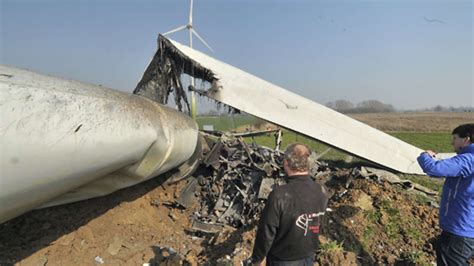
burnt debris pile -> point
(233, 182)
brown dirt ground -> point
(382, 224)
(75, 234)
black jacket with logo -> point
(289, 224)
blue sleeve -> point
(452, 167)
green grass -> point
(417, 258)
(373, 216)
(331, 246)
(394, 224)
(412, 229)
(439, 142)
(387, 219)
(224, 123)
(369, 232)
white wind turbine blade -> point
(175, 30)
(201, 39)
(191, 13)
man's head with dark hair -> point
(462, 136)
(296, 159)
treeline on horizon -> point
(375, 106)
(368, 106)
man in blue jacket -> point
(455, 245)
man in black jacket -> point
(289, 225)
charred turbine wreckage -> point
(239, 176)
(233, 181)
(163, 76)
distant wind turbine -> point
(192, 31)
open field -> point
(415, 122)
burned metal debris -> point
(233, 182)
(240, 176)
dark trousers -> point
(303, 262)
(453, 250)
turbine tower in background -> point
(192, 31)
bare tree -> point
(374, 106)
(342, 106)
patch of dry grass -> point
(415, 122)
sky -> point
(411, 54)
